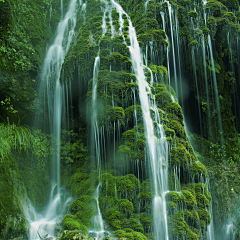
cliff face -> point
(191, 68)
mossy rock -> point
(163, 98)
(158, 37)
(176, 111)
(84, 208)
(111, 117)
(181, 156)
(177, 226)
(198, 168)
(169, 132)
(74, 234)
(134, 143)
(133, 114)
(217, 8)
(129, 234)
(191, 201)
(71, 224)
(119, 62)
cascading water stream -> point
(206, 85)
(97, 228)
(44, 223)
(156, 141)
(215, 89)
(157, 147)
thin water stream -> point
(43, 224)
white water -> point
(97, 228)
(215, 89)
(157, 145)
(156, 141)
(43, 224)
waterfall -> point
(43, 224)
(215, 89)
(157, 148)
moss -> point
(169, 132)
(74, 234)
(111, 116)
(205, 31)
(192, 235)
(71, 224)
(108, 184)
(202, 201)
(133, 144)
(81, 183)
(180, 155)
(128, 186)
(192, 217)
(163, 98)
(160, 73)
(198, 168)
(204, 216)
(158, 37)
(12, 191)
(194, 43)
(129, 234)
(126, 206)
(230, 17)
(190, 199)
(176, 110)
(193, 14)
(217, 8)
(171, 206)
(177, 225)
(134, 113)
(119, 62)
(84, 208)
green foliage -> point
(176, 110)
(73, 149)
(158, 37)
(133, 145)
(129, 234)
(160, 72)
(194, 43)
(193, 14)
(13, 138)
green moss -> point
(126, 206)
(230, 17)
(107, 184)
(190, 199)
(175, 109)
(112, 115)
(163, 98)
(193, 14)
(71, 224)
(119, 62)
(217, 9)
(158, 37)
(84, 208)
(194, 43)
(129, 234)
(198, 168)
(177, 225)
(205, 31)
(74, 234)
(171, 206)
(202, 201)
(133, 144)
(180, 155)
(169, 132)
(204, 216)
(134, 113)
